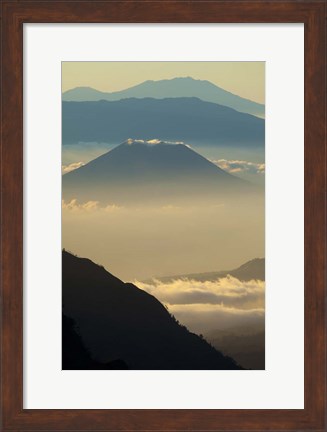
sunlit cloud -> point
(111, 208)
(153, 141)
(204, 306)
(203, 318)
(73, 205)
(227, 292)
(89, 206)
(71, 167)
(239, 166)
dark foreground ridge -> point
(108, 324)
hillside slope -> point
(120, 324)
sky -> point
(137, 242)
(246, 79)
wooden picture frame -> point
(14, 15)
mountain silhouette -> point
(119, 324)
(171, 88)
(138, 171)
(174, 119)
(74, 354)
(253, 269)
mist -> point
(229, 313)
(139, 243)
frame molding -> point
(14, 14)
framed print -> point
(149, 187)
(163, 215)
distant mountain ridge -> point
(138, 172)
(172, 119)
(121, 326)
(253, 269)
(170, 88)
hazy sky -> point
(246, 79)
(140, 243)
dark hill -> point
(74, 354)
(175, 119)
(119, 323)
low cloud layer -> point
(239, 166)
(152, 211)
(204, 318)
(89, 206)
(208, 306)
(227, 292)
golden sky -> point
(246, 79)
